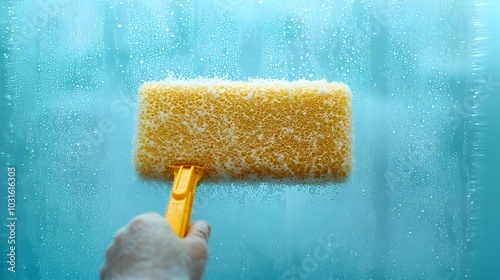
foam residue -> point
(241, 130)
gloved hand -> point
(147, 248)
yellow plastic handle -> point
(180, 206)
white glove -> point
(147, 248)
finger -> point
(196, 240)
(196, 244)
(199, 230)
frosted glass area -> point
(70, 76)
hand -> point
(147, 248)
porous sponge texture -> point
(245, 130)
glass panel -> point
(424, 87)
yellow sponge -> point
(245, 130)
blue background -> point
(422, 201)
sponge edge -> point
(259, 129)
